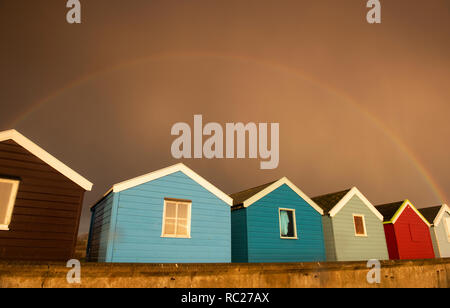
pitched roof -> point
(392, 211)
(164, 172)
(241, 196)
(430, 213)
(388, 210)
(46, 157)
(328, 202)
(250, 196)
(334, 202)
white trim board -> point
(169, 170)
(444, 208)
(45, 156)
(276, 185)
(354, 192)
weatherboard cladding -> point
(391, 241)
(330, 247)
(100, 226)
(441, 238)
(418, 245)
(262, 234)
(45, 218)
(137, 217)
(239, 243)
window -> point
(177, 218)
(360, 225)
(8, 193)
(288, 228)
(447, 227)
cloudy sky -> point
(358, 104)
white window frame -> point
(364, 225)
(189, 203)
(447, 227)
(295, 237)
(11, 202)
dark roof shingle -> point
(327, 202)
(240, 197)
(388, 210)
(430, 213)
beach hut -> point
(407, 231)
(439, 218)
(172, 215)
(276, 222)
(40, 202)
(353, 227)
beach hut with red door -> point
(407, 231)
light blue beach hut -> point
(172, 215)
(353, 227)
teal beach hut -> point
(172, 215)
(276, 222)
(353, 227)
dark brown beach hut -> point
(40, 202)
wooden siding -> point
(441, 244)
(137, 229)
(263, 228)
(413, 246)
(391, 241)
(350, 247)
(328, 232)
(44, 223)
(239, 246)
(99, 231)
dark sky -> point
(358, 104)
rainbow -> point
(419, 165)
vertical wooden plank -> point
(89, 242)
(77, 224)
(112, 229)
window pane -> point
(183, 210)
(359, 225)
(171, 210)
(287, 223)
(291, 232)
(5, 194)
(169, 228)
(182, 228)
